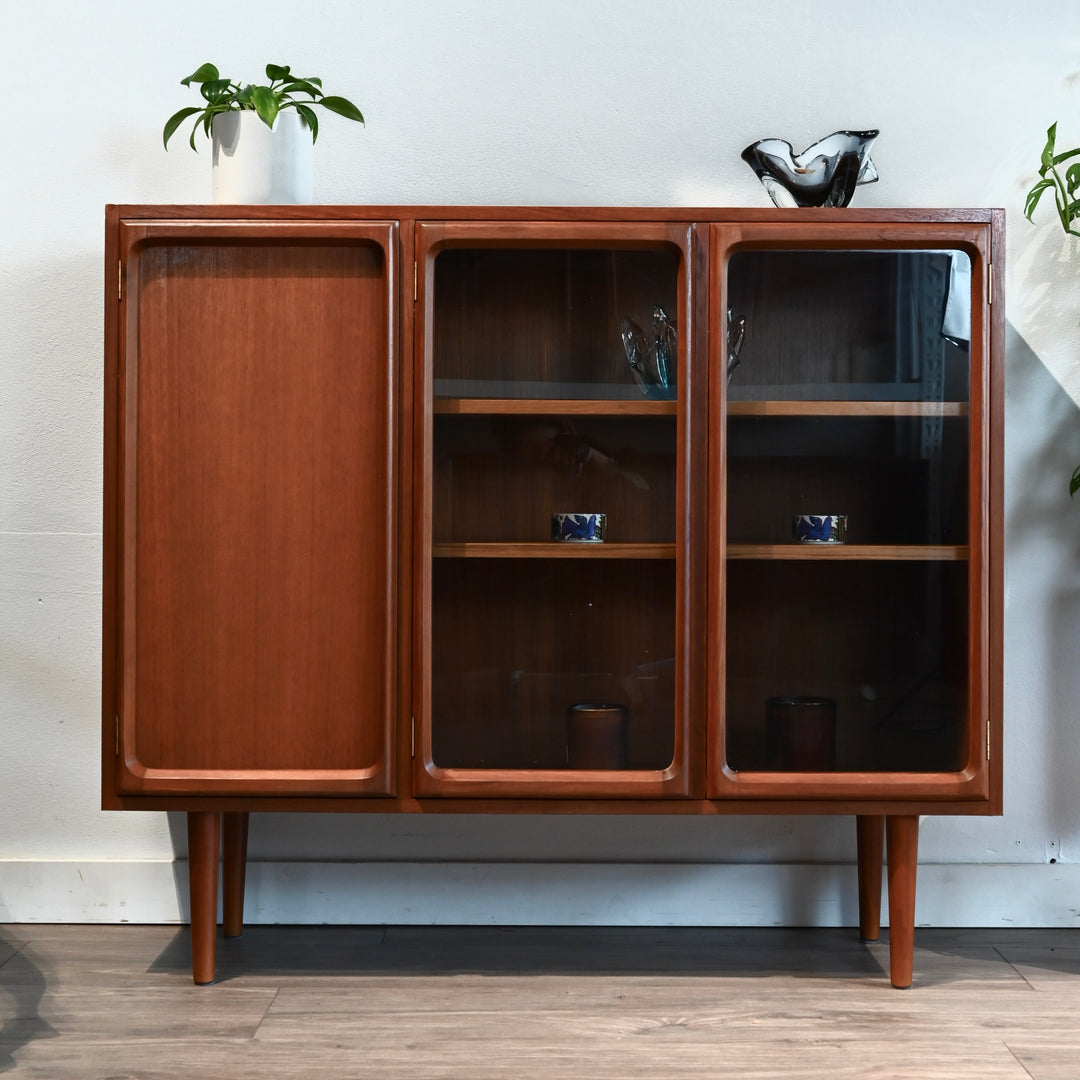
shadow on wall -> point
(1042, 582)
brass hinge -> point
(120, 279)
(412, 738)
(989, 283)
(415, 282)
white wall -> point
(522, 101)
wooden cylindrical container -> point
(596, 736)
(801, 734)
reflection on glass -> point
(849, 403)
(862, 325)
(553, 650)
(517, 644)
(547, 322)
(886, 641)
(896, 479)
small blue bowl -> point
(579, 528)
(819, 528)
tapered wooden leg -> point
(204, 831)
(870, 831)
(234, 872)
(902, 836)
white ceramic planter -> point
(254, 164)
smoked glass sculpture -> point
(653, 365)
(825, 174)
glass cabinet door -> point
(850, 386)
(550, 550)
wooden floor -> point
(307, 1003)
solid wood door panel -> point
(258, 518)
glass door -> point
(551, 546)
(851, 527)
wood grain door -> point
(256, 507)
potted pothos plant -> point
(1065, 188)
(280, 92)
(262, 134)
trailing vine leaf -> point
(310, 118)
(176, 120)
(343, 107)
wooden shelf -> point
(848, 408)
(555, 407)
(870, 552)
(551, 550)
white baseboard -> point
(558, 894)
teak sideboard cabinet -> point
(336, 442)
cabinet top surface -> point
(214, 211)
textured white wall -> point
(560, 101)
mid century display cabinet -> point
(549, 510)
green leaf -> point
(301, 86)
(1034, 195)
(207, 73)
(308, 113)
(343, 107)
(1059, 158)
(175, 121)
(274, 72)
(1048, 149)
(1074, 483)
(215, 89)
(1072, 178)
(204, 120)
(267, 104)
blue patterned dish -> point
(820, 528)
(579, 528)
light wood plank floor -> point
(469, 1003)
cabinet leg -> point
(870, 831)
(204, 830)
(234, 871)
(902, 835)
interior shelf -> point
(846, 408)
(862, 552)
(498, 406)
(552, 550)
